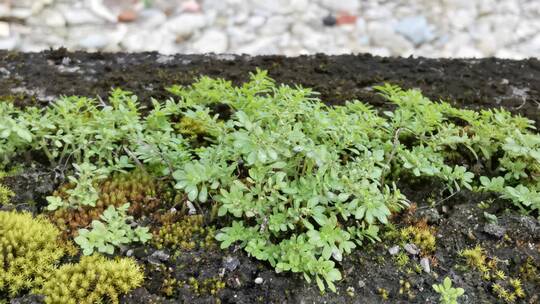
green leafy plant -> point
(112, 232)
(297, 183)
(83, 193)
(449, 294)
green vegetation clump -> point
(421, 235)
(29, 251)
(112, 231)
(449, 294)
(185, 234)
(95, 279)
(505, 288)
(5, 195)
(300, 183)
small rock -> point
(94, 41)
(101, 10)
(127, 16)
(431, 215)
(28, 299)
(424, 263)
(361, 284)
(345, 18)
(190, 6)
(276, 25)
(79, 16)
(281, 7)
(164, 59)
(411, 249)
(494, 230)
(393, 250)
(262, 46)
(382, 34)
(212, 41)
(230, 263)
(186, 24)
(158, 257)
(53, 18)
(151, 18)
(259, 280)
(256, 21)
(342, 6)
(8, 43)
(4, 29)
(329, 20)
(416, 29)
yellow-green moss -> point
(5, 195)
(421, 235)
(504, 288)
(207, 286)
(185, 234)
(95, 279)
(29, 250)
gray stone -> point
(361, 284)
(259, 280)
(4, 29)
(393, 250)
(350, 6)
(382, 34)
(494, 230)
(8, 43)
(53, 18)
(158, 257)
(411, 249)
(94, 41)
(276, 25)
(151, 18)
(281, 6)
(262, 46)
(142, 40)
(78, 16)
(424, 263)
(186, 24)
(416, 29)
(231, 263)
(211, 41)
(255, 21)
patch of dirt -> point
(371, 274)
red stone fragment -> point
(127, 16)
(345, 18)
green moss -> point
(95, 279)
(5, 195)
(29, 250)
(185, 234)
(207, 286)
(421, 235)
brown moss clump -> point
(185, 234)
(136, 187)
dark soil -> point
(371, 271)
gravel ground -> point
(431, 28)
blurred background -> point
(431, 28)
